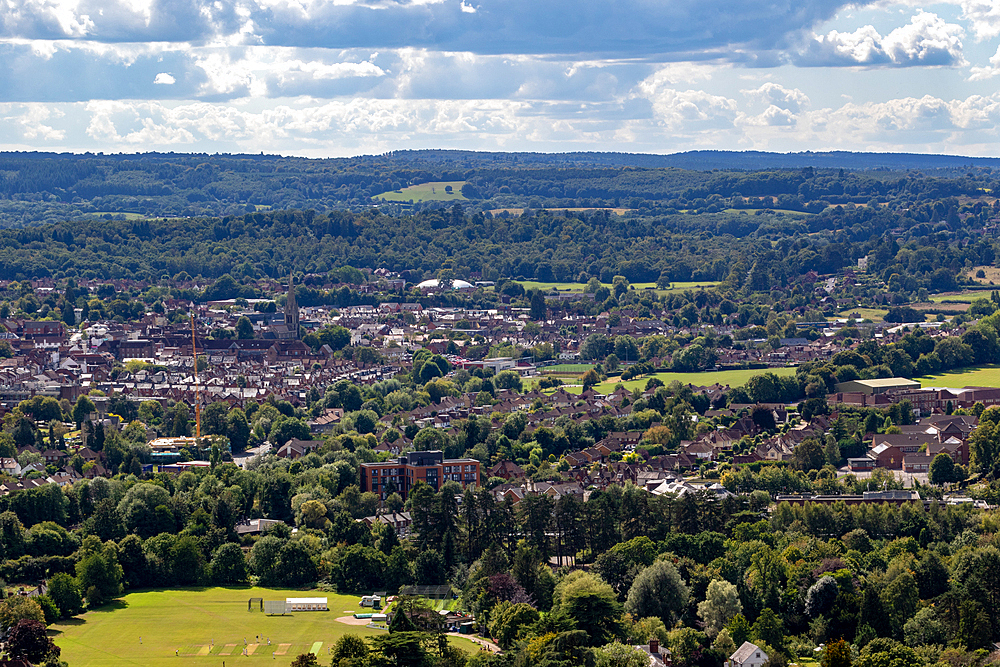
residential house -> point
(400, 521)
(296, 448)
(658, 656)
(747, 655)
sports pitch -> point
(978, 376)
(206, 626)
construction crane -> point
(197, 384)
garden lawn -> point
(426, 192)
(188, 620)
(735, 378)
(978, 376)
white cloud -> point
(988, 72)
(632, 28)
(774, 116)
(778, 96)
(514, 74)
(926, 41)
(681, 73)
(693, 110)
(984, 16)
(654, 120)
(33, 123)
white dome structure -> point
(433, 283)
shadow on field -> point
(111, 606)
(68, 621)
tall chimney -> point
(654, 646)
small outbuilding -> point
(306, 604)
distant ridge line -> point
(718, 159)
(701, 160)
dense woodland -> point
(40, 188)
(927, 244)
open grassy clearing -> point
(977, 376)
(434, 191)
(967, 296)
(205, 622)
(735, 378)
(992, 276)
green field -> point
(202, 623)
(873, 314)
(732, 378)
(978, 376)
(566, 369)
(967, 296)
(426, 192)
(580, 287)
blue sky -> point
(344, 77)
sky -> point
(334, 78)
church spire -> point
(292, 308)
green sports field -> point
(205, 626)
(979, 376)
(566, 369)
(579, 287)
(735, 378)
(426, 192)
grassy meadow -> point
(977, 376)
(202, 623)
(967, 296)
(873, 314)
(434, 191)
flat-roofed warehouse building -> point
(876, 386)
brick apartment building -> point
(430, 467)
